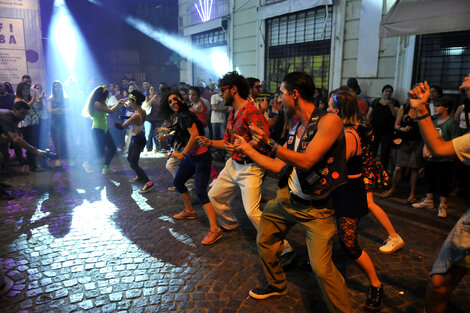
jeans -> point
(104, 145)
(218, 131)
(151, 132)
(135, 148)
(200, 167)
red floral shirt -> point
(239, 124)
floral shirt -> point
(32, 118)
(239, 124)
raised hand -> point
(419, 95)
(465, 84)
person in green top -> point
(97, 109)
(439, 169)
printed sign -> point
(11, 34)
(12, 65)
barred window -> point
(212, 38)
(442, 59)
(299, 42)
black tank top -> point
(354, 164)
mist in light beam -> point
(181, 46)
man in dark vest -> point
(312, 163)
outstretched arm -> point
(433, 140)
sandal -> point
(212, 236)
(184, 215)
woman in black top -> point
(381, 116)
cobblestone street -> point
(77, 242)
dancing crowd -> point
(331, 152)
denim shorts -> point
(456, 247)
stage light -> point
(220, 62)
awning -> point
(416, 17)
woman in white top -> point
(138, 141)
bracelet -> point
(422, 117)
(273, 153)
(183, 154)
(211, 142)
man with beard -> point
(240, 171)
(312, 163)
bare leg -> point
(366, 265)
(439, 288)
(395, 180)
(413, 182)
(188, 206)
(211, 216)
(380, 215)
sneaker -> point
(424, 204)
(147, 187)
(261, 293)
(392, 244)
(87, 167)
(172, 188)
(184, 215)
(108, 171)
(212, 236)
(375, 298)
(442, 211)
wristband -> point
(183, 154)
(273, 153)
(422, 117)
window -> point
(212, 38)
(443, 59)
(299, 42)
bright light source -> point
(220, 62)
(204, 10)
(455, 51)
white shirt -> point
(294, 183)
(217, 116)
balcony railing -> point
(219, 8)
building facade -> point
(332, 40)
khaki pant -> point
(278, 217)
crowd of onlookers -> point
(54, 123)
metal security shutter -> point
(443, 59)
(299, 42)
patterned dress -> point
(375, 177)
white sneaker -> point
(108, 171)
(87, 167)
(392, 244)
(424, 204)
(442, 211)
(172, 188)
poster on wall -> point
(21, 50)
(12, 50)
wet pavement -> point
(76, 242)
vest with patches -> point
(327, 174)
